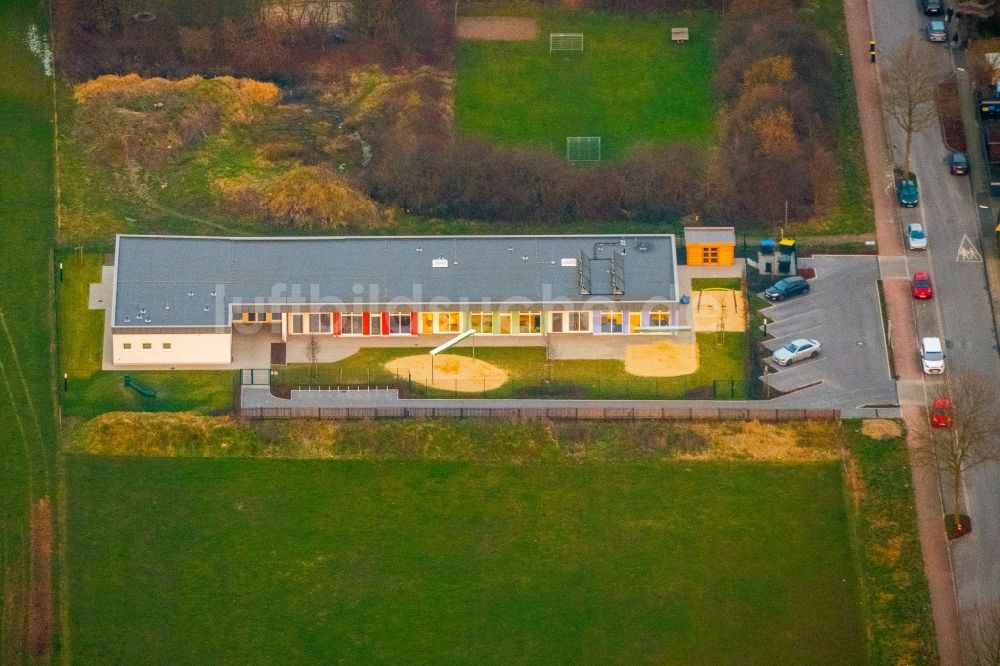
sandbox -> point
(663, 358)
(451, 373)
(722, 310)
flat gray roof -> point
(193, 281)
(710, 235)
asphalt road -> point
(960, 310)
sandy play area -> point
(711, 308)
(497, 28)
(664, 358)
(451, 373)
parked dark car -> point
(933, 7)
(789, 286)
(906, 193)
(958, 164)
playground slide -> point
(138, 388)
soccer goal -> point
(565, 41)
(583, 148)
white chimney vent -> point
(440, 262)
(567, 261)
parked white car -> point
(916, 239)
(796, 350)
(932, 356)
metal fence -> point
(553, 413)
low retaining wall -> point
(519, 413)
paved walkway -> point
(850, 404)
(934, 546)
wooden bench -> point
(679, 35)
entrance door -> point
(634, 321)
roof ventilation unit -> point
(440, 262)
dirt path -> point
(934, 546)
(497, 28)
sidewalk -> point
(934, 545)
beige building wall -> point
(171, 348)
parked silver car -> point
(937, 32)
(916, 239)
(796, 350)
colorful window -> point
(376, 324)
(710, 255)
(529, 322)
(482, 322)
(659, 318)
(427, 322)
(448, 322)
(611, 322)
(505, 322)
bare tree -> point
(974, 435)
(907, 92)
(312, 353)
(983, 642)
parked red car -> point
(922, 285)
(941, 413)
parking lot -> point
(842, 311)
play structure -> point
(138, 388)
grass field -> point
(249, 561)
(93, 391)
(896, 598)
(27, 226)
(532, 376)
(629, 84)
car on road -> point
(796, 350)
(789, 286)
(941, 413)
(932, 356)
(958, 164)
(933, 7)
(906, 193)
(937, 32)
(922, 288)
(916, 239)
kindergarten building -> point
(181, 300)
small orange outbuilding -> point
(710, 246)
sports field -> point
(188, 561)
(629, 84)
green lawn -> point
(629, 84)
(27, 226)
(93, 391)
(246, 561)
(897, 601)
(530, 375)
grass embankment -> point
(418, 559)
(531, 375)
(93, 391)
(27, 432)
(895, 594)
(629, 84)
(125, 434)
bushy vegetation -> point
(262, 38)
